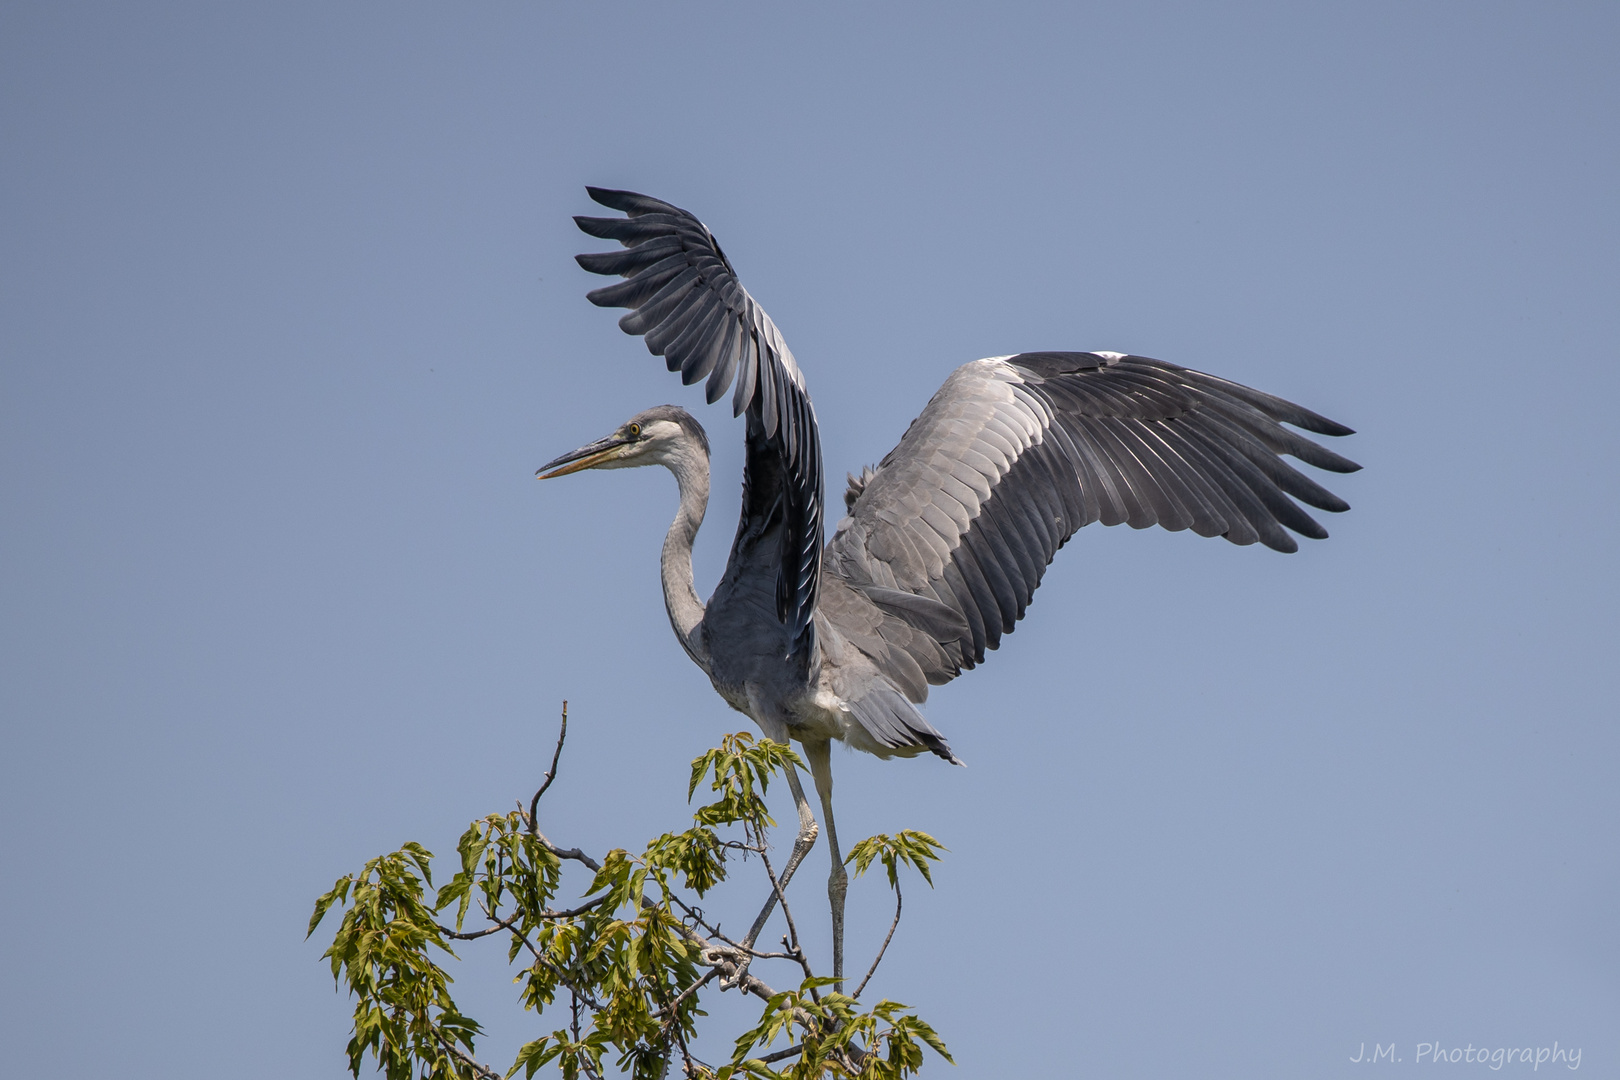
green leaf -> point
(339, 893)
(536, 1055)
(909, 846)
(422, 857)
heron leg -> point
(801, 844)
(807, 830)
(820, 757)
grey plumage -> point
(946, 540)
(1014, 454)
(686, 300)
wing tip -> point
(1279, 539)
(599, 227)
(1329, 461)
(935, 744)
(1315, 422)
(629, 202)
(601, 297)
(606, 196)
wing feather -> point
(686, 301)
(1168, 470)
(994, 573)
(685, 309)
(1002, 530)
(657, 283)
(963, 598)
(698, 347)
(1032, 447)
(1230, 521)
(1210, 508)
(725, 365)
(1118, 473)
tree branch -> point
(562, 976)
(793, 952)
(534, 804)
(483, 1072)
(567, 853)
(697, 917)
(724, 958)
(470, 936)
(888, 938)
(551, 774)
(569, 913)
(702, 981)
(573, 1003)
(799, 852)
(777, 896)
(790, 941)
(781, 898)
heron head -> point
(654, 437)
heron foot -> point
(801, 847)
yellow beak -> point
(584, 458)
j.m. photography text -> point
(1438, 1053)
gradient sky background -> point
(289, 316)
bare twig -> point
(778, 896)
(686, 1055)
(789, 951)
(796, 1048)
(687, 1068)
(484, 1072)
(470, 936)
(551, 774)
(696, 915)
(573, 1001)
(540, 958)
(800, 850)
(701, 982)
(781, 897)
(568, 853)
(534, 804)
(691, 1058)
(788, 954)
(569, 913)
(878, 959)
(790, 940)
(793, 952)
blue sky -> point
(289, 316)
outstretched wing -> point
(685, 299)
(1013, 454)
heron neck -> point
(691, 469)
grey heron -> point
(944, 542)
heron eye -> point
(634, 430)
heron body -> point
(945, 541)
